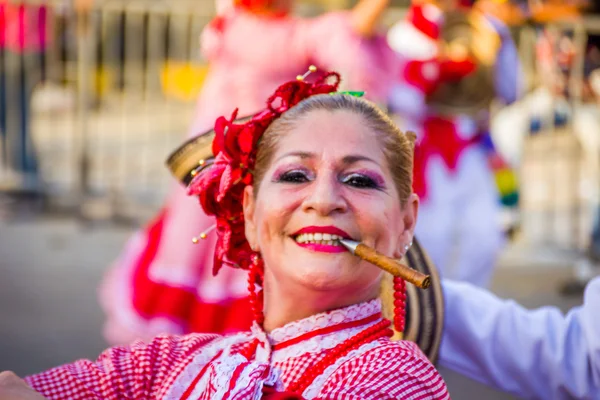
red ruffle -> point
(439, 138)
(157, 300)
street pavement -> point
(50, 267)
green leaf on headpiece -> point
(350, 93)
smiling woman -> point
(323, 168)
(313, 168)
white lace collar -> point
(342, 316)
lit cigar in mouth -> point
(387, 264)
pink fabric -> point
(23, 27)
(238, 367)
(249, 57)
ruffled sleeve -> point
(141, 371)
(367, 64)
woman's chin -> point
(318, 274)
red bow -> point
(220, 187)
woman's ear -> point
(409, 220)
(250, 225)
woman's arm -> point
(535, 354)
(366, 15)
(140, 371)
(14, 388)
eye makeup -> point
(292, 174)
(364, 179)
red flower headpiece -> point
(220, 186)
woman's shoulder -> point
(194, 339)
(391, 351)
(394, 367)
(182, 346)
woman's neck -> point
(287, 304)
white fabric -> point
(409, 42)
(459, 221)
(534, 354)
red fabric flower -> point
(220, 187)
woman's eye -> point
(294, 177)
(360, 181)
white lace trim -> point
(220, 372)
(318, 343)
(316, 386)
(271, 380)
(187, 376)
(324, 320)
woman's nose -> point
(325, 196)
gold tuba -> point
(467, 34)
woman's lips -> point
(324, 239)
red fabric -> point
(23, 27)
(326, 330)
(152, 299)
(427, 75)
(455, 70)
(439, 138)
(271, 394)
(220, 187)
(261, 6)
(190, 389)
(419, 18)
(202, 366)
(424, 75)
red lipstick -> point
(332, 230)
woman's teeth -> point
(319, 238)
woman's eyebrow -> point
(347, 160)
(300, 154)
(354, 158)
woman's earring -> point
(408, 246)
(256, 294)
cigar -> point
(387, 264)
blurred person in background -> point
(457, 60)
(24, 37)
(587, 124)
(162, 282)
(563, 98)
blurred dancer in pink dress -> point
(162, 282)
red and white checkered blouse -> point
(200, 366)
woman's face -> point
(328, 178)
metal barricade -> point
(117, 96)
(560, 174)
